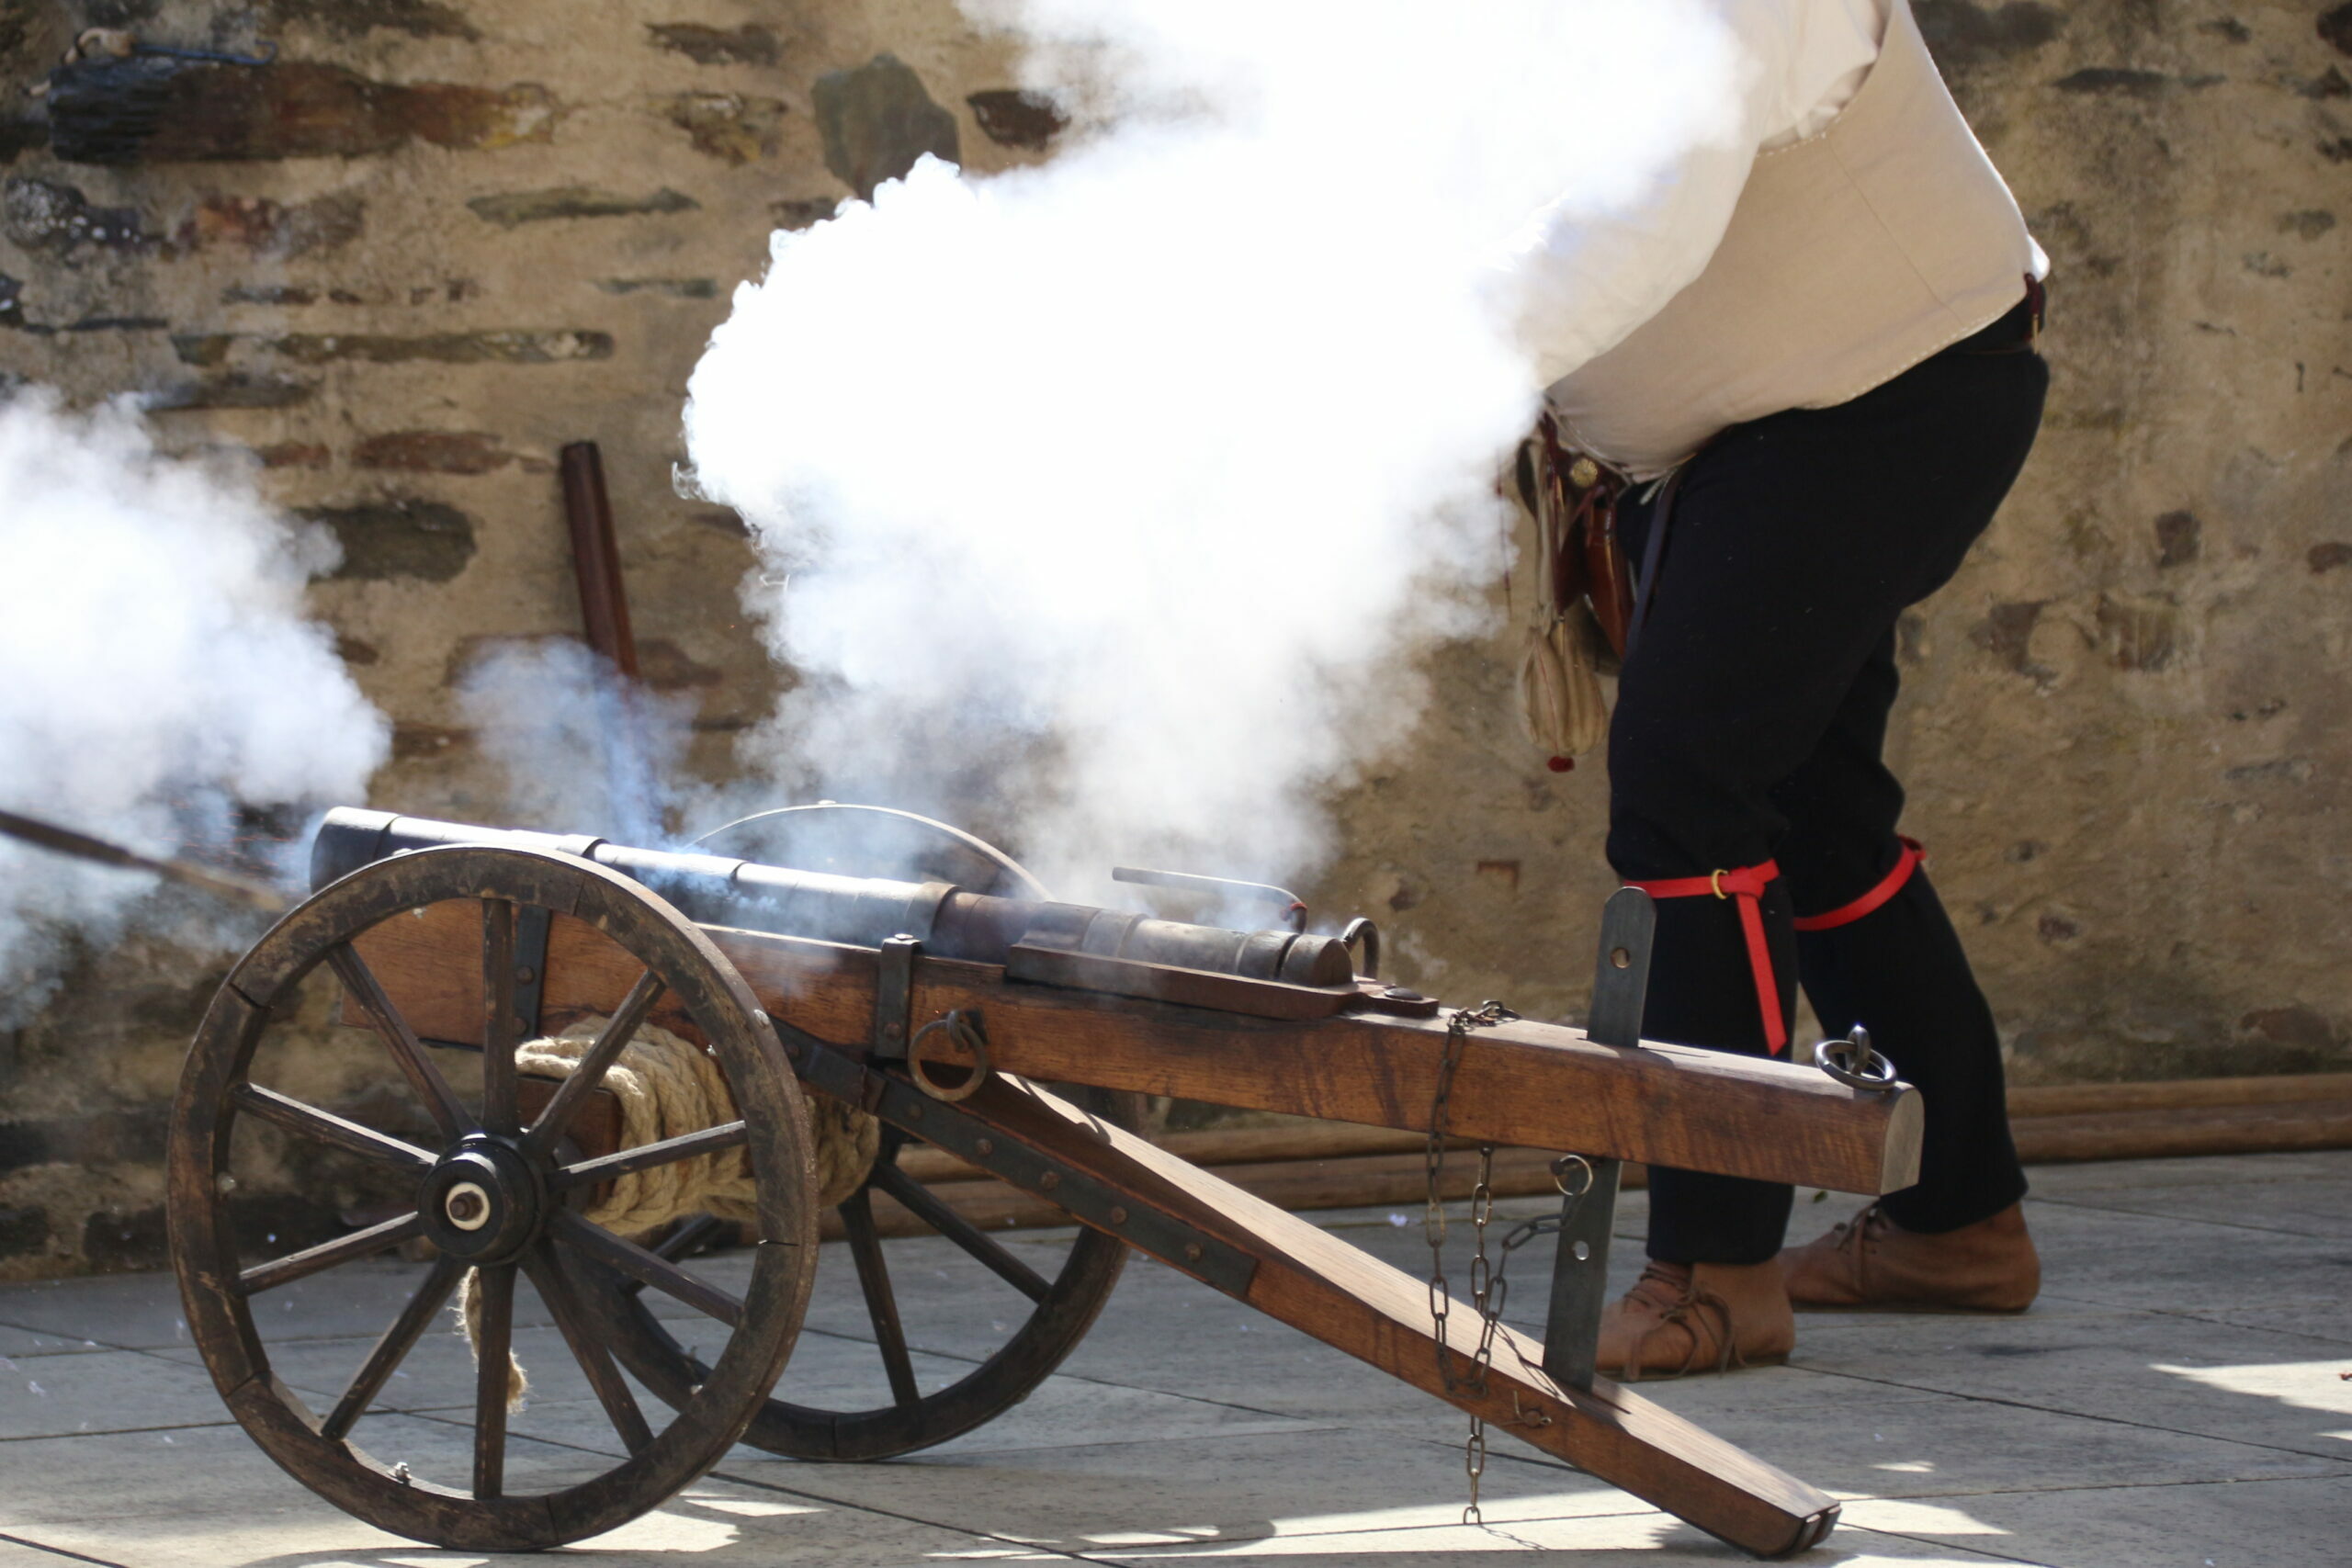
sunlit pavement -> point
(2181, 1394)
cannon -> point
(856, 1040)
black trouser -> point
(1749, 723)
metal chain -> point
(1458, 1025)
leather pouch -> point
(1584, 595)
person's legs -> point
(1898, 970)
(1794, 543)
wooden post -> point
(596, 556)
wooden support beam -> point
(1523, 1084)
(1308, 1278)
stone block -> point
(433, 452)
(728, 126)
(425, 539)
(748, 45)
(148, 109)
(513, 209)
(48, 217)
(273, 229)
(1962, 35)
(354, 19)
(293, 455)
(119, 1241)
(513, 347)
(797, 213)
(23, 1231)
(1013, 117)
(675, 288)
(876, 120)
(235, 390)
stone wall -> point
(399, 268)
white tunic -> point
(1850, 228)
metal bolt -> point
(1118, 1216)
(226, 1182)
(985, 1147)
(1583, 1251)
(468, 1206)
(1191, 1252)
(525, 974)
(1050, 1180)
(1620, 957)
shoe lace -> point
(1673, 1290)
(1854, 1232)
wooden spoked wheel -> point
(496, 1197)
(1026, 1309)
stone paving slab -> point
(2145, 1370)
(142, 1312)
(23, 1343)
(2174, 1398)
(104, 1390)
(2295, 1208)
(2261, 1524)
(128, 1500)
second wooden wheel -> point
(1056, 1304)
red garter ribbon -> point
(1745, 885)
(1889, 885)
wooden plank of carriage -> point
(1306, 1165)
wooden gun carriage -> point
(943, 1014)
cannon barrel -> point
(861, 911)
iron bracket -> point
(531, 923)
(1580, 1268)
(894, 997)
(1011, 1158)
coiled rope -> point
(669, 1087)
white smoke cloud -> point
(1114, 496)
(157, 671)
(581, 748)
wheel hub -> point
(482, 1201)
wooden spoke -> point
(501, 1029)
(328, 1254)
(393, 1348)
(881, 1305)
(310, 1122)
(407, 1052)
(605, 1167)
(558, 1112)
(683, 1239)
(919, 1201)
(587, 1348)
(492, 1354)
(639, 1264)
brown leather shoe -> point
(1683, 1318)
(1871, 1261)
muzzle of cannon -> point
(530, 996)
